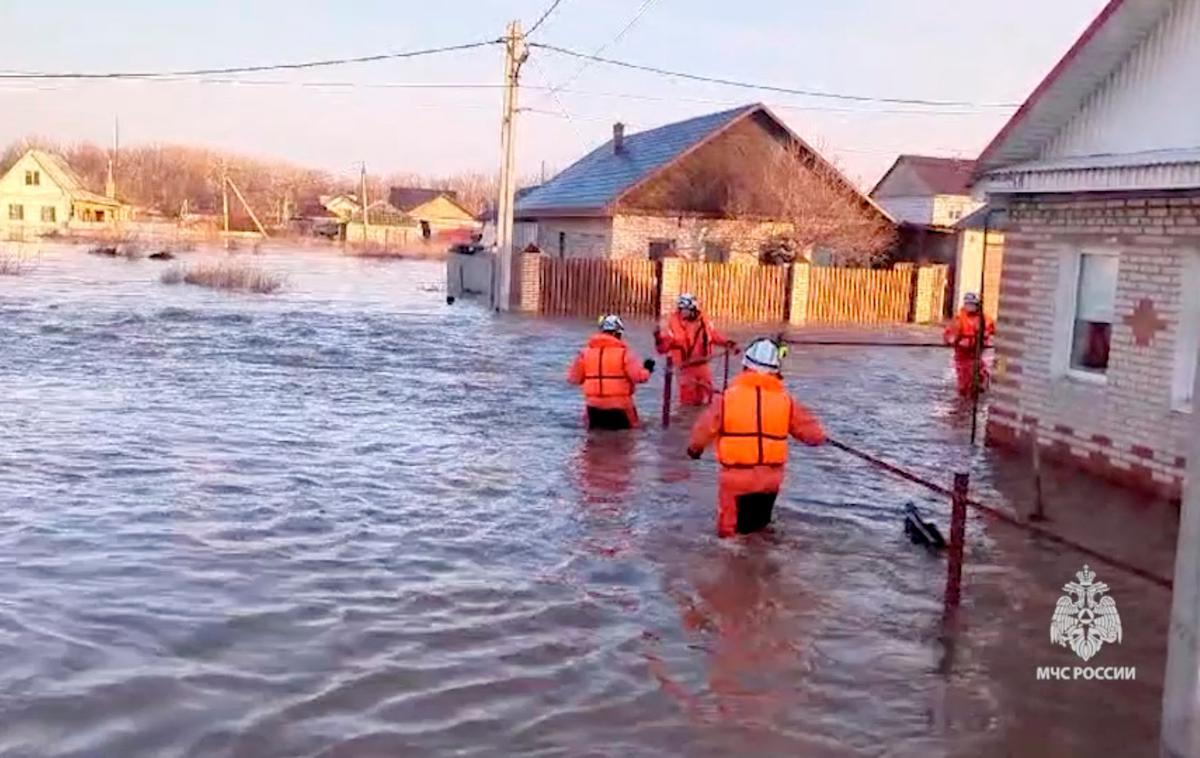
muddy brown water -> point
(349, 520)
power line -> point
(542, 19)
(766, 87)
(248, 69)
(641, 11)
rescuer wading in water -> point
(690, 340)
(963, 334)
(607, 370)
(751, 423)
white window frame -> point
(1064, 318)
(1187, 337)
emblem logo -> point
(1086, 617)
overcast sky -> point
(961, 50)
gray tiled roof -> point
(598, 178)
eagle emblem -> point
(1086, 617)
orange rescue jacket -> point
(607, 370)
(755, 415)
(963, 331)
(689, 341)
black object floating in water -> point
(449, 299)
(921, 532)
(162, 255)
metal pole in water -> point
(958, 528)
(666, 406)
(726, 385)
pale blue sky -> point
(936, 49)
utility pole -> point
(363, 182)
(225, 196)
(1180, 719)
(515, 53)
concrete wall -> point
(693, 237)
(581, 237)
(1129, 426)
(469, 274)
(386, 236)
(968, 267)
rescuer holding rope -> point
(964, 334)
(751, 423)
(690, 340)
(608, 370)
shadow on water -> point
(349, 520)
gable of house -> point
(1118, 113)
(443, 209)
(923, 175)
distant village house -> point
(41, 194)
(434, 211)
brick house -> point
(678, 189)
(1099, 173)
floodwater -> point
(350, 520)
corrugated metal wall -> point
(1150, 102)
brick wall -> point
(1126, 429)
(632, 235)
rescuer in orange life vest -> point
(751, 423)
(608, 370)
(963, 333)
(689, 340)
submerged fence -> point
(594, 286)
(737, 292)
(859, 295)
(732, 292)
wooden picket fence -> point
(737, 292)
(859, 295)
(593, 286)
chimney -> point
(618, 138)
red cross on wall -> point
(1144, 322)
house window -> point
(716, 252)
(1187, 347)
(99, 215)
(562, 244)
(16, 212)
(659, 249)
(1094, 307)
(33, 178)
(426, 232)
(49, 214)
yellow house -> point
(41, 194)
(434, 210)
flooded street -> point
(350, 520)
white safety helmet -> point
(764, 356)
(612, 324)
(971, 299)
(687, 302)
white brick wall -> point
(1127, 424)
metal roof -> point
(941, 176)
(594, 182)
(1098, 51)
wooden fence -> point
(733, 293)
(595, 286)
(737, 292)
(859, 295)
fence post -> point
(798, 307)
(530, 283)
(958, 528)
(666, 405)
(923, 307)
(669, 286)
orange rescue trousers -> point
(746, 498)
